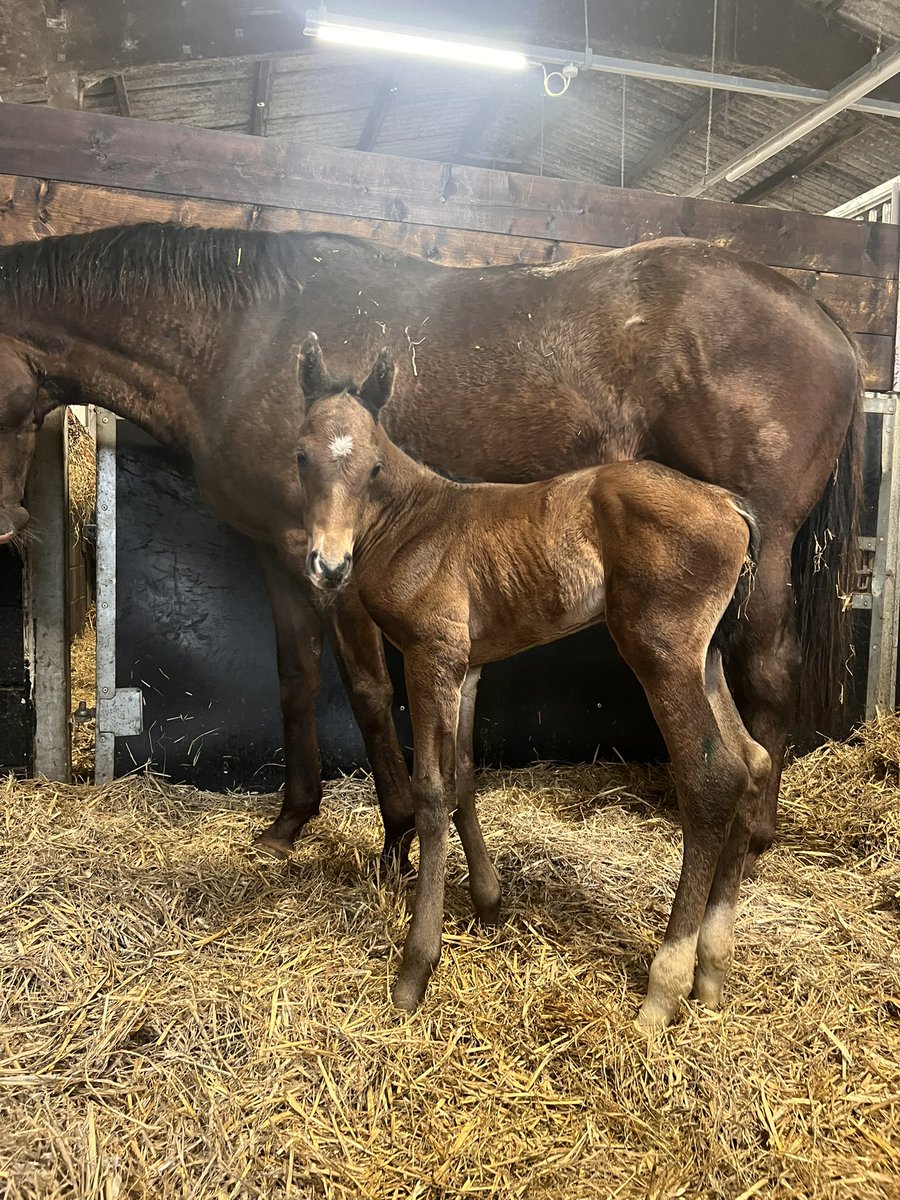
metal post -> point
(47, 498)
(119, 711)
(885, 546)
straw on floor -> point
(180, 1018)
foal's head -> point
(338, 459)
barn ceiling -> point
(245, 65)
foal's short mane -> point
(132, 262)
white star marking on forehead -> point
(341, 445)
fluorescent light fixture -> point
(349, 31)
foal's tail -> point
(824, 566)
(728, 631)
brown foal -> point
(459, 575)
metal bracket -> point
(122, 713)
(880, 402)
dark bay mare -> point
(670, 350)
(460, 575)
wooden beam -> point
(262, 92)
(804, 162)
(122, 95)
(378, 111)
(151, 156)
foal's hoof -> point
(708, 987)
(655, 1015)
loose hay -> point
(83, 654)
(183, 1019)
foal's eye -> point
(302, 460)
(375, 470)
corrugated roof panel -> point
(325, 98)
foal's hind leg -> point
(298, 637)
(764, 668)
(710, 777)
(484, 883)
(716, 940)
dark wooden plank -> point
(878, 355)
(152, 156)
(31, 208)
(866, 305)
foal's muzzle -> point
(325, 575)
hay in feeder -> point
(181, 1018)
(82, 472)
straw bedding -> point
(180, 1018)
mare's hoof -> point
(757, 848)
(394, 858)
(406, 995)
(751, 865)
(269, 843)
(489, 914)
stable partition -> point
(72, 171)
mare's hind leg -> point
(764, 668)
(360, 655)
(298, 636)
(484, 883)
(716, 941)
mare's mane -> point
(133, 262)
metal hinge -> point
(122, 713)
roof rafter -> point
(262, 92)
(381, 105)
(804, 162)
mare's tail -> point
(824, 567)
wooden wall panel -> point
(150, 156)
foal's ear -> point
(376, 390)
(314, 379)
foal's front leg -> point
(360, 655)
(484, 883)
(433, 680)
